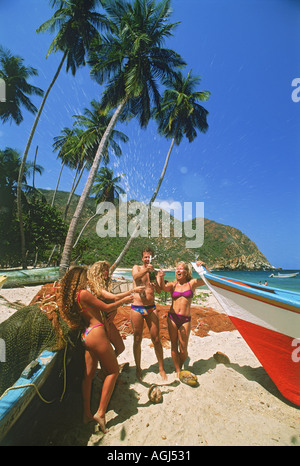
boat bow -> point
(269, 321)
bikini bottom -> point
(179, 319)
(88, 330)
(144, 310)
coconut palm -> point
(94, 121)
(105, 189)
(131, 59)
(15, 75)
(180, 115)
(77, 23)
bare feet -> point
(139, 374)
(101, 421)
(163, 375)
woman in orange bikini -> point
(179, 317)
(82, 309)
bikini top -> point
(186, 294)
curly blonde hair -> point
(187, 267)
(96, 281)
(72, 282)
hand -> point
(139, 289)
(128, 299)
(149, 268)
(199, 263)
(161, 273)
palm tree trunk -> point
(34, 164)
(57, 184)
(74, 187)
(22, 166)
(127, 245)
(67, 251)
(83, 228)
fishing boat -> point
(30, 277)
(284, 275)
(16, 399)
(3, 279)
(269, 321)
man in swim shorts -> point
(143, 309)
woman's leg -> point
(98, 342)
(173, 333)
(183, 336)
(116, 339)
(91, 362)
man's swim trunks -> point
(144, 310)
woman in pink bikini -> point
(81, 309)
(179, 317)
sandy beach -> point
(234, 403)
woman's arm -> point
(161, 282)
(116, 297)
(195, 282)
(88, 300)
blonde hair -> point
(96, 281)
(72, 282)
(187, 267)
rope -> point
(35, 387)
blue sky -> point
(246, 167)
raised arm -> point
(161, 282)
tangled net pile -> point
(30, 331)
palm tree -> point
(77, 23)
(105, 189)
(15, 76)
(132, 59)
(60, 144)
(180, 115)
(94, 121)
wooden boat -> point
(3, 279)
(30, 277)
(269, 321)
(284, 275)
(15, 400)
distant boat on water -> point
(284, 275)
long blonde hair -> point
(96, 281)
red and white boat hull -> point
(269, 321)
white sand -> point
(234, 404)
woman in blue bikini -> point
(82, 309)
(179, 317)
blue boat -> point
(15, 400)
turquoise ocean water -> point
(291, 284)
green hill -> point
(224, 247)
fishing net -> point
(27, 333)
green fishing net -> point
(25, 335)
